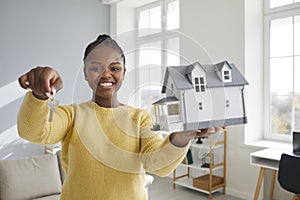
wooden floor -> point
(162, 189)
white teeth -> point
(106, 84)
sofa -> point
(38, 177)
(35, 178)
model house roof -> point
(167, 100)
(181, 76)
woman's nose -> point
(106, 73)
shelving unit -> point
(211, 182)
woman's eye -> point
(95, 69)
(115, 69)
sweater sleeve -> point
(33, 122)
(159, 155)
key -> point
(52, 104)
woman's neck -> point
(107, 103)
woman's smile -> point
(106, 85)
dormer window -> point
(226, 76)
(199, 84)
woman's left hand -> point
(182, 138)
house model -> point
(201, 96)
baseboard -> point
(242, 195)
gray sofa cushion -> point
(29, 178)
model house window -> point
(157, 46)
(199, 84)
(200, 106)
(226, 75)
(282, 64)
(227, 103)
(173, 109)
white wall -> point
(254, 68)
(122, 27)
(40, 32)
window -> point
(226, 76)
(227, 103)
(173, 109)
(199, 84)
(200, 106)
(157, 46)
(282, 64)
(172, 87)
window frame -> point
(199, 87)
(226, 76)
(163, 36)
(268, 10)
(269, 15)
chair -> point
(289, 174)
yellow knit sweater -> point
(105, 151)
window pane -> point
(281, 112)
(173, 57)
(277, 3)
(144, 19)
(202, 88)
(281, 75)
(155, 18)
(297, 113)
(150, 54)
(297, 75)
(149, 94)
(150, 63)
(173, 15)
(173, 109)
(201, 80)
(297, 35)
(279, 29)
(150, 21)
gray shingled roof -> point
(179, 74)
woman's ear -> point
(124, 73)
(85, 77)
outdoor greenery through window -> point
(282, 61)
(158, 47)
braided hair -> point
(104, 40)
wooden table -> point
(267, 159)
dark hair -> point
(104, 40)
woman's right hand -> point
(41, 80)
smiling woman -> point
(107, 146)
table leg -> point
(272, 183)
(259, 182)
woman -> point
(106, 146)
